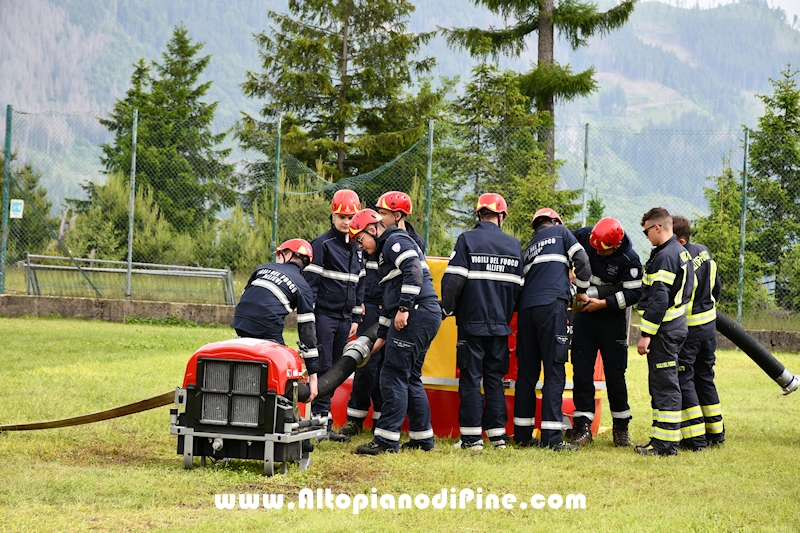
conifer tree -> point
(177, 153)
(341, 72)
(775, 182)
(548, 81)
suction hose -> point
(738, 336)
(774, 369)
(356, 354)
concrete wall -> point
(773, 341)
(12, 305)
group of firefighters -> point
(370, 267)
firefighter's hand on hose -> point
(353, 330)
(312, 386)
(378, 345)
(644, 346)
(400, 320)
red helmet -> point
(546, 212)
(493, 202)
(395, 201)
(363, 219)
(606, 234)
(300, 247)
(345, 202)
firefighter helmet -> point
(345, 202)
(299, 247)
(546, 212)
(395, 201)
(363, 219)
(492, 202)
(606, 234)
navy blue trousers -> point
(607, 333)
(487, 357)
(401, 378)
(366, 387)
(541, 342)
(331, 340)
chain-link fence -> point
(197, 204)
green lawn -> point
(124, 474)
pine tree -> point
(775, 181)
(340, 72)
(576, 20)
(177, 153)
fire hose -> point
(738, 336)
(356, 354)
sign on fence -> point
(16, 208)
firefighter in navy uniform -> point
(601, 324)
(336, 276)
(409, 321)
(542, 326)
(480, 286)
(393, 207)
(667, 286)
(696, 359)
(271, 293)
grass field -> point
(124, 474)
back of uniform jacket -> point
(548, 259)
(667, 285)
(336, 275)
(483, 280)
(701, 314)
(623, 267)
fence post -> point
(133, 197)
(6, 185)
(277, 180)
(742, 229)
(428, 181)
(585, 172)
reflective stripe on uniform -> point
(356, 413)
(524, 422)
(714, 428)
(376, 415)
(701, 318)
(664, 276)
(392, 274)
(691, 413)
(418, 435)
(357, 310)
(695, 430)
(620, 299)
(388, 435)
(311, 353)
(496, 432)
(372, 265)
(496, 276)
(667, 417)
(574, 249)
(551, 425)
(648, 327)
(305, 317)
(385, 321)
(673, 313)
(274, 289)
(458, 271)
(621, 414)
(405, 255)
(410, 289)
(668, 435)
(471, 430)
(583, 414)
(635, 284)
(711, 410)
